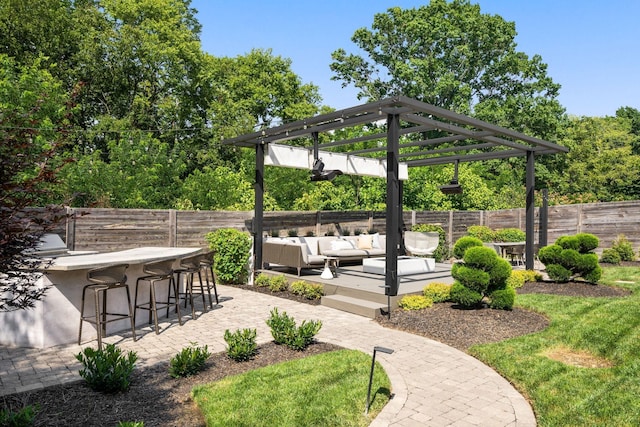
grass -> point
(328, 389)
(607, 329)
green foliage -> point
(310, 291)
(130, 424)
(519, 277)
(189, 361)
(473, 278)
(502, 299)
(464, 243)
(285, 331)
(231, 254)
(21, 418)
(464, 296)
(414, 302)
(241, 344)
(571, 257)
(610, 256)
(278, 283)
(107, 370)
(442, 251)
(262, 280)
(437, 292)
(292, 232)
(510, 235)
(482, 232)
(624, 248)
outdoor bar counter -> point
(56, 318)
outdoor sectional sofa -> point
(311, 252)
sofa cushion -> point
(346, 253)
(365, 241)
(340, 244)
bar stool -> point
(157, 272)
(102, 280)
(207, 263)
(189, 266)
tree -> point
(451, 55)
(33, 116)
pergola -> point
(459, 139)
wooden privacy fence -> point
(116, 229)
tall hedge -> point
(231, 254)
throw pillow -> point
(365, 241)
(340, 244)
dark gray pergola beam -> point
(377, 136)
(453, 149)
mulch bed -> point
(159, 400)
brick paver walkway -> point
(432, 384)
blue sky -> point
(592, 47)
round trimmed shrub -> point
(437, 292)
(550, 254)
(623, 247)
(515, 281)
(568, 242)
(558, 273)
(480, 257)
(464, 243)
(499, 273)
(594, 275)
(587, 242)
(464, 296)
(611, 256)
(278, 283)
(262, 280)
(472, 278)
(586, 263)
(570, 259)
(502, 299)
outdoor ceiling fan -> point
(317, 172)
(453, 187)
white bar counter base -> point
(55, 319)
(407, 265)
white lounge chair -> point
(421, 243)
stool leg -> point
(131, 315)
(152, 302)
(135, 302)
(213, 280)
(172, 285)
(84, 292)
(96, 299)
(204, 301)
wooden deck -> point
(363, 293)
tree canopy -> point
(145, 108)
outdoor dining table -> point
(54, 320)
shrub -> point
(278, 283)
(465, 296)
(231, 254)
(502, 299)
(308, 290)
(130, 424)
(293, 232)
(189, 361)
(107, 370)
(442, 251)
(464, 243)
(623, 247)
(610, 256)
(241, 344)
(262, 280)
(519, 277)
(437, 292)
(22, 417)
(415, 302)
(482, 232)
(510, 235)
(285, 331)
(570, 257)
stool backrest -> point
(111, 274)
(190, 262)
(163, 268)
(207, 258)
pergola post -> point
(530, 211)
(258, 215)
(393, 205)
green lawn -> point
(328, 389)
(606, 328)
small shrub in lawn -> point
(570, 257)
(307, 290)
(241, 344)
(23, 417)
(623, 247)
(278, 284)
(189, 361)
(437, 292)
(262, 280)
(415, 302)
(610, 256)
(284, 330)
(107, 370)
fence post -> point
(70, 229)
(173, 228)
